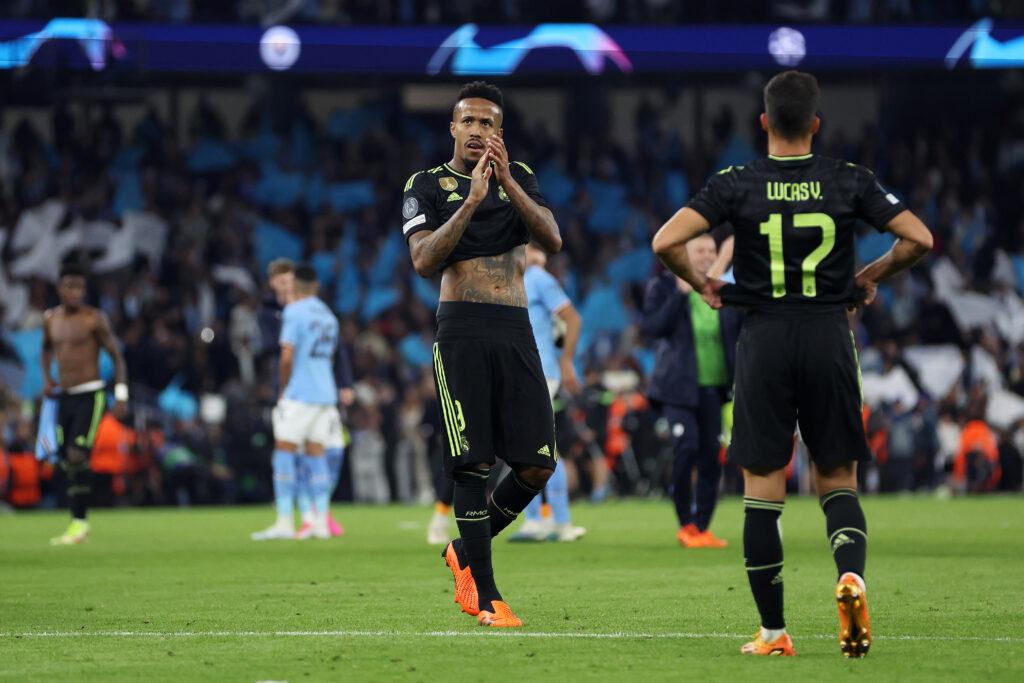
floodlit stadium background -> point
(175, 148)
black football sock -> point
(445, 490)
(79, 488)
(847, 530)
(762, 550)
(510, 497)
(470, 505)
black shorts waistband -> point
(757, 316)
(466, 319)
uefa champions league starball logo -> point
(280, 48)
(787, 46)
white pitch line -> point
(476, 634)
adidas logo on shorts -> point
(544, 450)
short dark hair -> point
(791, 103)
(484, 91)
(72, 270)
(305, 273)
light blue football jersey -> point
(544, 296)
(311, 327)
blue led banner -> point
(562, 49)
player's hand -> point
(866, 289)
(481, 180)
(346, 396)
(121, 410)
(711, 292)
(570, 378)
(497, 153)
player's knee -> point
(535, 476)
(843, 475)
(472, 476)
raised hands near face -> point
(481, 179)
(497, 153)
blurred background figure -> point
(555, 322)
(306, 416)
(692, 378)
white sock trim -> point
(858, 578)
(769, 635)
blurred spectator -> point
(976, 465)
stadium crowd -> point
(177, 236)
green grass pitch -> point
(178, 595)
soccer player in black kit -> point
(795, 214)
(470, 219)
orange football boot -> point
(709, 540)
(781, 646)
(465, 586)
(687, 536)
(854, 627)
(501, 616)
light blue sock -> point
(283, 464)
(558, 494)
(533, 510)
(319, 482)
(335, 459)
(303, 491)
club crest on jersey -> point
(501, 194)
(448, 183)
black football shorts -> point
(797, 369)
(78, 418)
(490, 385)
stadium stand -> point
(178, 234)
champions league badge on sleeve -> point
(409, 207)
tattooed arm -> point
(430, 248)
(538, 219)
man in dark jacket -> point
(695, 350)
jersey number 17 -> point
(773, 229)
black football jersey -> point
(431, 197)
(795, 219)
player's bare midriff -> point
(75, 346)
(487, 279)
